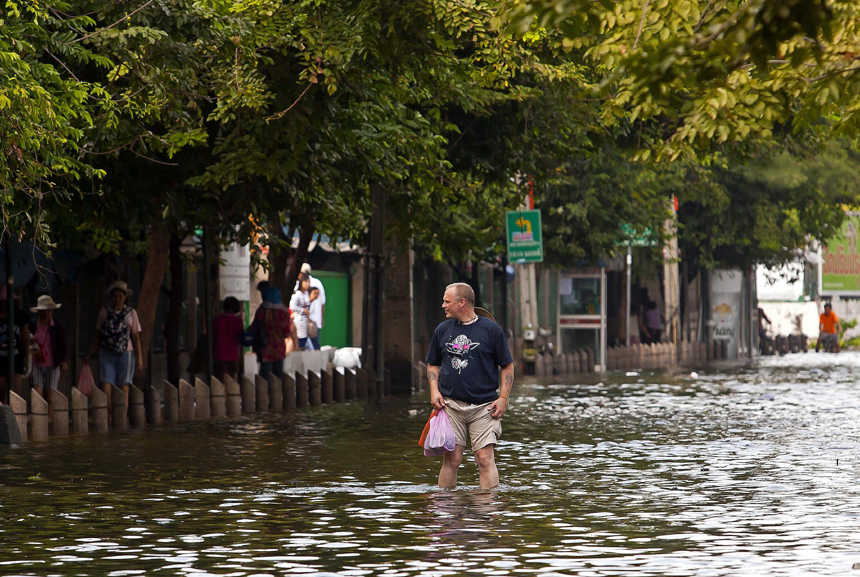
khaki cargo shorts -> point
(474, 422)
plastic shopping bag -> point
(426, 430)
(441, 437)
(86, 382)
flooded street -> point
(746, 471)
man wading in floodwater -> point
(462, 369)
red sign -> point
(569, 322)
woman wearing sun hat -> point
(117, 340)
(52, 357)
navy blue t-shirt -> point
(469, 356)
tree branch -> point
(127, 16)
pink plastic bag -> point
(441, 438)
(86, 382)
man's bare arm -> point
(500, 406)
(507, 380)
(436, 399)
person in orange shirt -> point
(829, 327)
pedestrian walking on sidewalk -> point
(316, 310)
(22, 344)
(653, 322)
(227, 329)
(829, 329)
(300, 304)
(462, 366)
(117, 342)
(53, 354)
(273, 319)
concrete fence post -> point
(560, 364)
(171, 403)
(372, 388)
(327, 386)
(339, 385)
(186, 401)
(100, 410)
(217, 399)
(361, 379)
(590, 361)
(38, 418)
(19, 407)
(303, 393)
(315, 388)
(276, 394)
(351, 385)
(289, 392)
(154, 414)
(60, 410)
(540, 365)
(80, 418)
(724, 349)
(136, 410)
(262, 394)
(249, 396)
(119, 408)
(202, 401)
(233, 392)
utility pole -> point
(207, 303)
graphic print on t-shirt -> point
(459, 347)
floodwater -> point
(741, 471)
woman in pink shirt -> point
(53, 350)
(227, 329)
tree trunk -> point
(147, 303)
(174, 311)
(476, 282)
(306, 234)
(279, 257)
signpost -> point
(631, 239)
(525, 236)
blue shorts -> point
(116, 368)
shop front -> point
(582, 313)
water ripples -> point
(741, 471)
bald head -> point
(459, 302)
(461, 290)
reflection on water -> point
(750, 471)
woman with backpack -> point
(117, 342)
(272, 323)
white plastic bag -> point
(441, 438)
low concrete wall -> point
(332, 385)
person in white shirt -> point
(317, 307)
(300, 308)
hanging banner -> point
(234, 273)
(726, 298)
(840, 273)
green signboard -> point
(633, 238)
(525, 236)
(840, 273)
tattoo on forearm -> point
(509, 380)
(433, 376)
